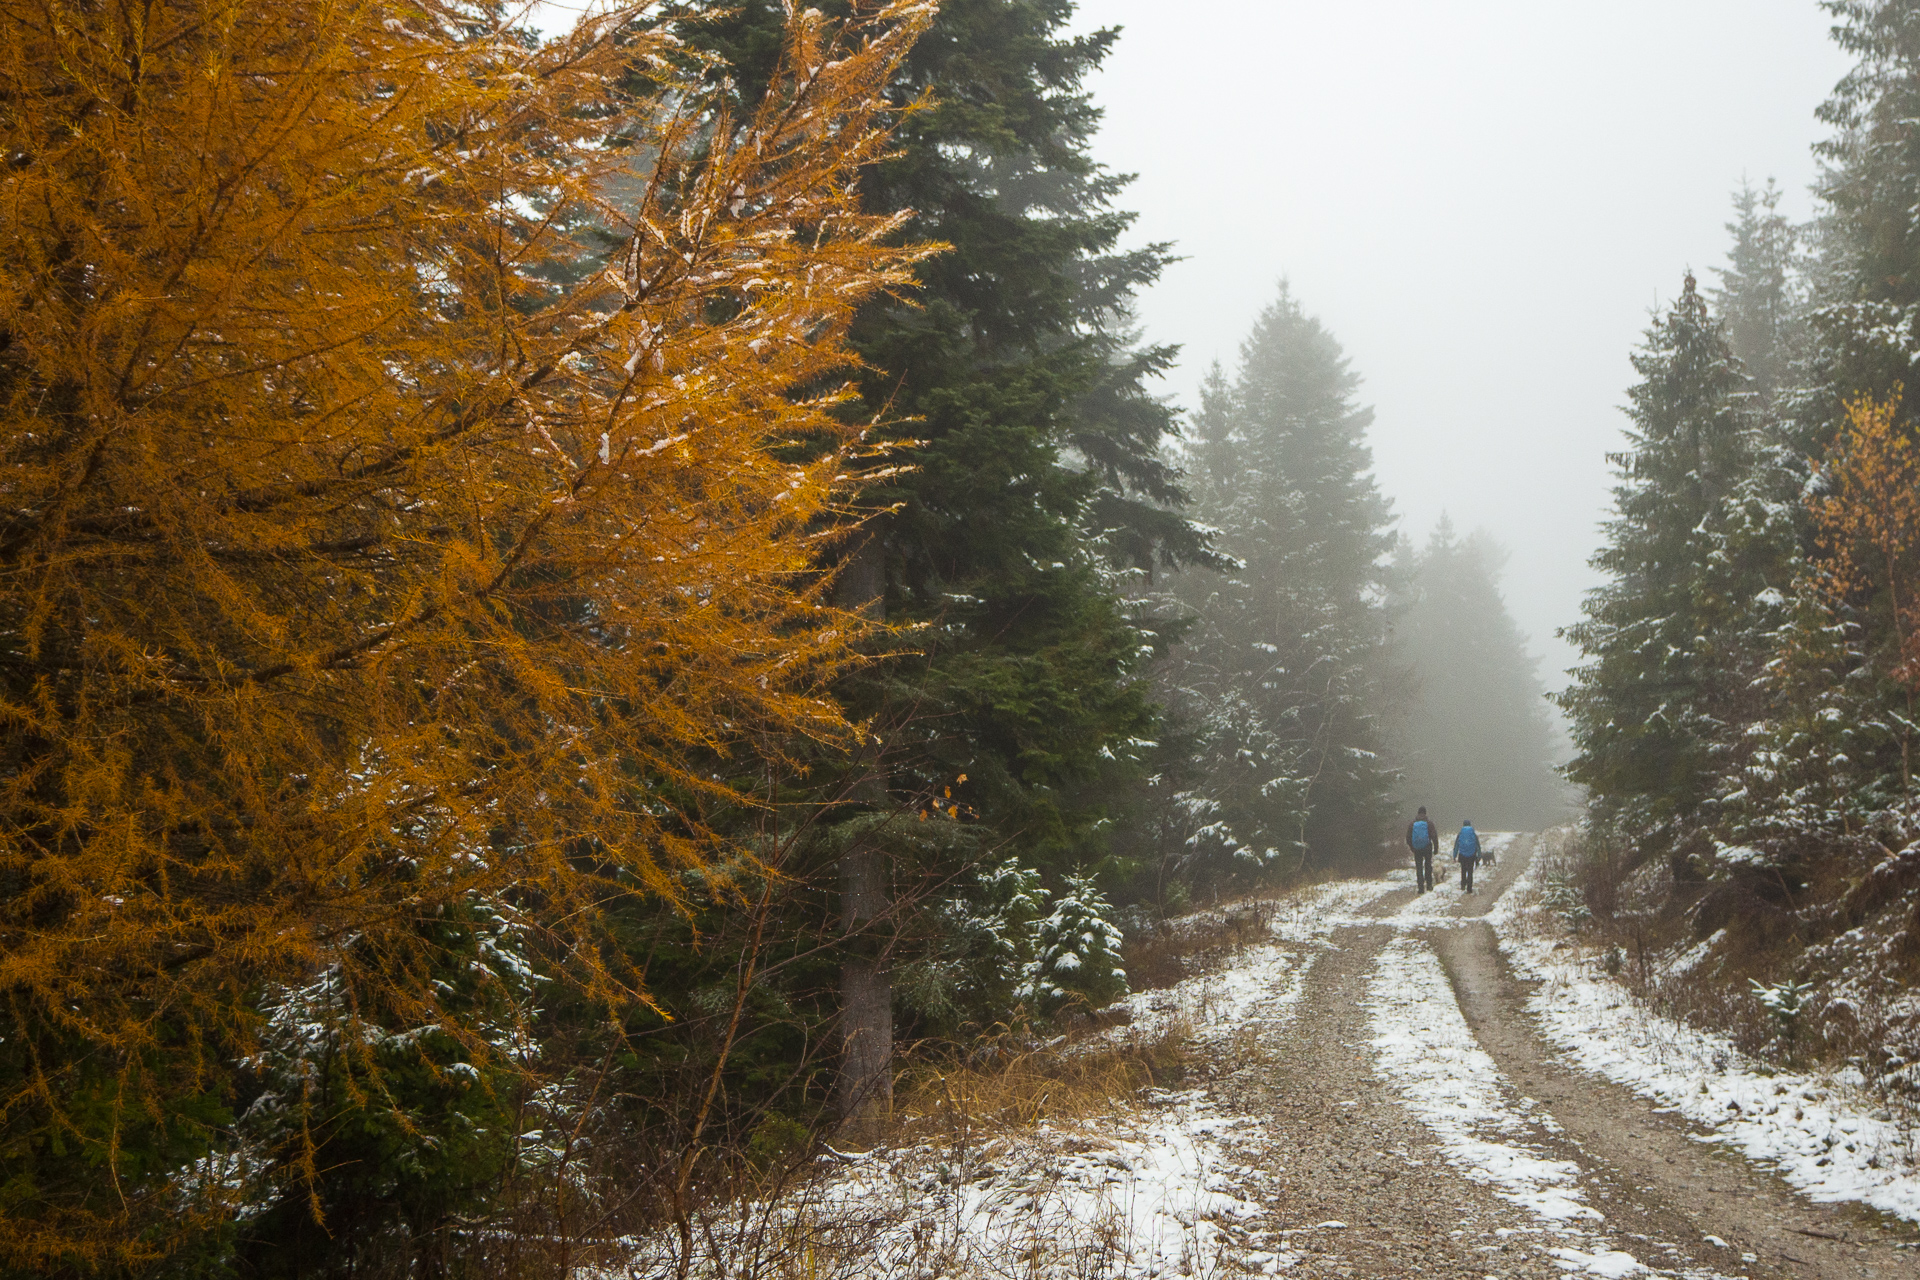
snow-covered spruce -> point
(1078, 950)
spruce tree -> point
(1843, 701)
(1033, 492)
(1281, 672)
(1038, 479)
(1476, 741)
(1758, 301)
(1872, 181)
(1644, 708)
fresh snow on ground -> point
(1153, 1192)
(1315, 912)
(1822, 1135)
(1167, 1187)
(1259, 989)
(1156, 1190)
(1424, 1046)
(1430, 908)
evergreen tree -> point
(1078, 956)
(1844, 702)
(1759, 300)
(1037, 472)
(1865, 276)
(1282, 670)
(1033, 497)
(1646, 709)
(1872, 180)
(1476, 740)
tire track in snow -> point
(1423, 1044)
(1487, 1130)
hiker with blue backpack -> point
(1422, 837)
(1466, 851)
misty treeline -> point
(569, 607)
(1745, 715)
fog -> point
(1484, 200)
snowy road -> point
(1411, 1099)
(1373, 1092)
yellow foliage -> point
(367, 541)
(1868, 522)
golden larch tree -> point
(1868, 524)
(420, 446)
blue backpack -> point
(1422, 834)
(1467, 844)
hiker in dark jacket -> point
(1423, 838)
(1466, 851)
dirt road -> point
(1394, 1159)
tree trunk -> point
(866, 1001)
(864, 1092)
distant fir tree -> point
(1280, 676)
(1477, 740)
(1872, 181)
(1647, 706)
(1865, 274)
(1759, 301)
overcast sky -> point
(1483, 200)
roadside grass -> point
(967, 1181)
(982, 1170)
(1164, 953)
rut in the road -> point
(1353, 1156)
(1361, 1187)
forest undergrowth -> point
(1820, 977)
(1017, 1116)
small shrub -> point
(1785, 1001)
(1078, 951)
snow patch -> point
(1161, 1192)
(1423, 1045)
(1259, 990)
(1608, 1262)
(1314, 913)
(1819, 1132)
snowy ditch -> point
(1822, 1134)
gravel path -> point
(1652, 1162)
(1359, 1185)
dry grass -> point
(1004, 1113)
(974, 1120)
(1011, 1082)
(1201, 943)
